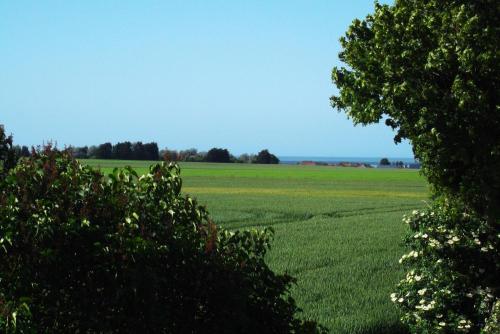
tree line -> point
(149, 151)
(219, 155)
(121, 151)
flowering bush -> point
(452, 282)
(85, 253)
(493, 322)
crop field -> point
(338, 230)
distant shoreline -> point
(292, 160)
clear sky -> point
(243, 75)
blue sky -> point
(244, 75)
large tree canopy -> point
(430, 70)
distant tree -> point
(264, 157)
(25, 151)
(199, 157)
(104, 151)
(138, 152)
(218, 155)
(123, 151)
(79, 152)
(169, 155)
(8, 158)
(384, 162)
(151, 151)
(190, 155)
(92, 152)
(246, 158)
(17, 151)
(399, 164)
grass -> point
(338, 230)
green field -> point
(338, 230)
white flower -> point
(400, 300)
(418, 278)
(421, 292)
(442, 324)
(484, 249)
(456, 239)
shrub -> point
(493, 322)
(83, 252)
(452, 279)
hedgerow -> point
(86, 253)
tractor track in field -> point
(258, 219)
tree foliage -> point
(430, 69)
(25, 151)
(104, 151)
(264, 157)
(8, 157)
(384, 162)
(218, 155)
(86, 253)
(121, 151)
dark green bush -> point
(84, 253)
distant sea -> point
(291, 160)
